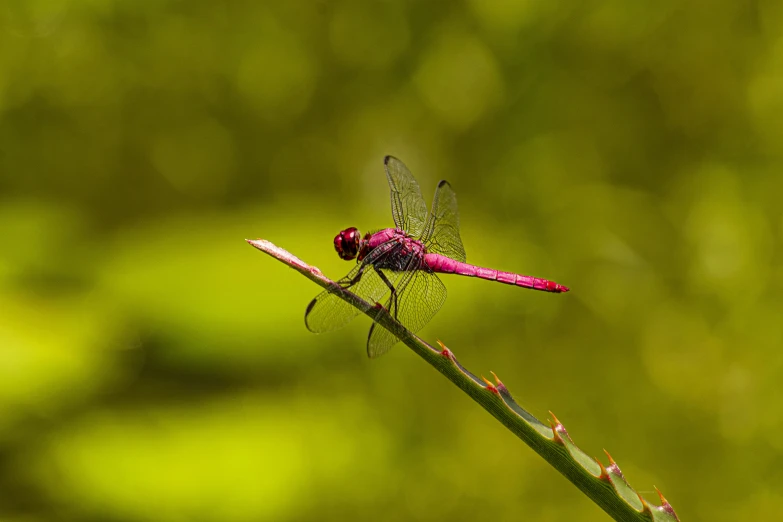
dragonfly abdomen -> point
(446, 265)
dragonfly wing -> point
(408, 207)
(441, 235)
(329, 312)
(419, 297)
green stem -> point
(605, 486)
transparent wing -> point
(419, 297)
(328, 312)
(408, 207)
(441, 235)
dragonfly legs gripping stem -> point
(346, 284)
(349, 283)
(393, 299)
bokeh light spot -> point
(197, 158)
(276, 74)
(459, 79)
(368, 34)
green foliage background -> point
(155, 367)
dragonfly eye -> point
(346, 243)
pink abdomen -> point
(446, 265)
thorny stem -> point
(605, 486)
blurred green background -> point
(153, 366)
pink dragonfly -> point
(403, 261)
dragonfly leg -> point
(393, 290)
(350, 282)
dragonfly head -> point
(347, 243)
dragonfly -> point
(403, 263)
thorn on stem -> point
(490, 386)
(613, 466)
(645, 506)
(665, 504)
(611, 460)
(555, 435)
(445, 352)
(604, 473)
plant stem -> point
(605, 486)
